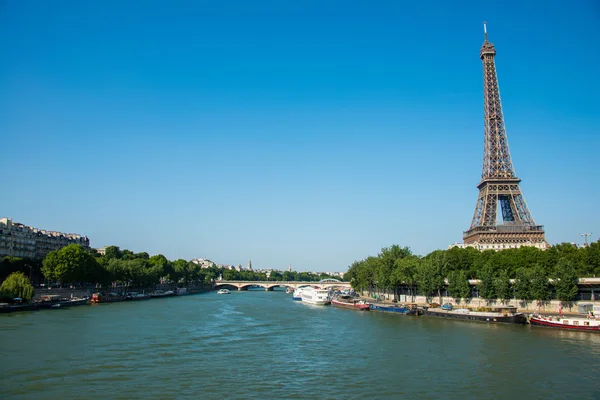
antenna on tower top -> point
(485, 31)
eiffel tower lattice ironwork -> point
(499, 184)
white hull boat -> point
(318, 297)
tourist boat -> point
(181, 291)
(589, 324)
(394, 308)
(315, 296)
(223, 291)
(348, 301)
(297, 294)
(493, 314)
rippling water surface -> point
(263, 345)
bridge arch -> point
(270, 285)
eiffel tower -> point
(499, 183)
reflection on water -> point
(589, 340)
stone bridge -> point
(270, 285)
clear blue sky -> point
(309, 133)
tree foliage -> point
(565, 280)
(522, 284)
(502, 287)
(429, 276)
(458, 285)
(539, 288)
(17, 285)
(530, 268)
(72, 264)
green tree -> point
(539, 285)
(275, 276)
(49, 265)
(143, 255)
(72, 263)
(180, 271)
(17, 285)
(127, 254)
(458, 285)
(288, 276)
(460, 259)
(486, 287)
(429, 277)
(405, 273)
(112, 252)
(117, 271)
(502, 287)
(522, 284)
(565, 280)
(591, 257)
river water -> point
(263, 345)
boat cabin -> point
(50, 298)
(502, 309)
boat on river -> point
(347, 301)
(297, 294)
(135, 296)
(393, 308)
(107, 298)
(315, 296)
(223, 291)
(589, 324)
(161, 293)
(55, 301)
(491, 314)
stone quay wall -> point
(551, 306)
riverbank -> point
(550, 307)
(55, 298)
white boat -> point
(312, 295)
(297, 294)
(223, 291)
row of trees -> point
(523, 273)
(76, 265)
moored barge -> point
(346, 301)
(393, 308)
(589, 324)
(491, 314)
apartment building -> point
(20, 240)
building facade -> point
(24, 241)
